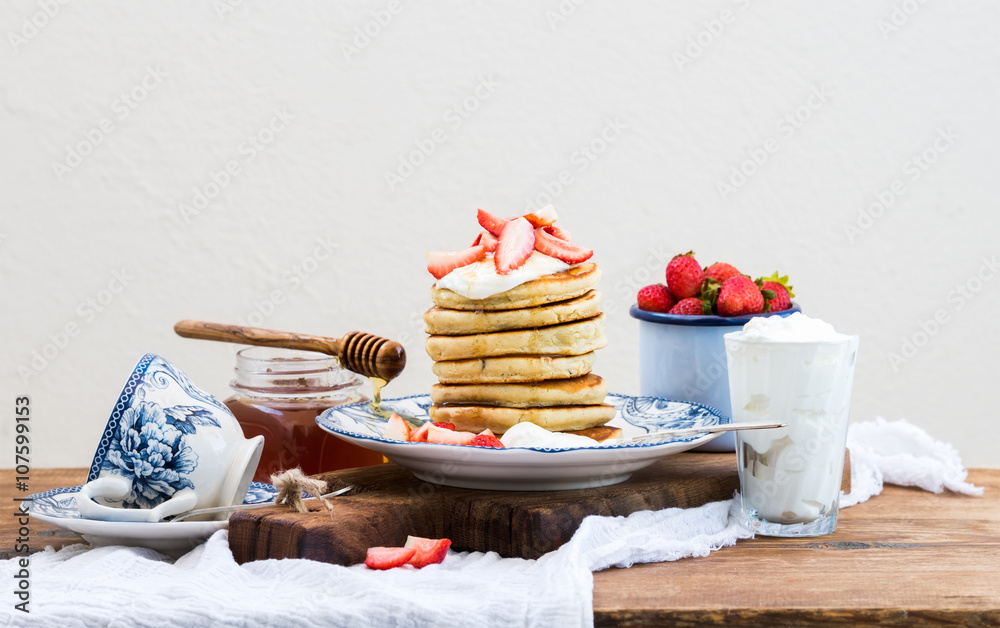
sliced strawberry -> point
(440, 263)
(491, 222)
(562, 234)
(448, 437)
(543, 217)
(428, 551)
(419, 435)
(559, 248)
(514, 246)
(397, 428)
(487, 239)
(487, 438)
(388, 557)
(444, 425)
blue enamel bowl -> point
(684, 358)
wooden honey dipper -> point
(367, 354)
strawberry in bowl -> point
(682, 354)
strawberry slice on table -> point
(543, 217)
(514, 245)
(444, 425)
(388, 557)
(560, 249)
(491, 222)
(562, 234)
(428, 551)
(440, 263)
(487, 239)
(396, 428)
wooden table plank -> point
(906, 557)
(42, 534)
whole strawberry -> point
(691, 306)
(782, 298)
(655, 298)
(684, 276)
(740, 296)
(721, 271)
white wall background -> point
(895, 76)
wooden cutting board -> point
(389, 503)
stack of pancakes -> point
(521, 355)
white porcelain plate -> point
(527, 469)
(57, 507)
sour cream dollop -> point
(531, 435)
(480, 280)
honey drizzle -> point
(376, 405)
(377, 385)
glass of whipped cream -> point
(800, 371)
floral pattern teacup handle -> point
(115, 487)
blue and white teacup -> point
(168, 447)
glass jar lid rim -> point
(249, 357)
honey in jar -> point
(278, 393)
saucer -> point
(57, 507)
(523, 468)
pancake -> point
(513, 369)
(585, 390)
(600, 434)
(441, 321)
(573, 338)
(561, 286)
(499, 420)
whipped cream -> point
(796, 327)
(531, 435)
(798, 370)
(480, 280)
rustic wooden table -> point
(906, 557)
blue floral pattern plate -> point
(57, 507)
(527, 469)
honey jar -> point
(278, 393)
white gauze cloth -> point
(901, 453)
(124, 586)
